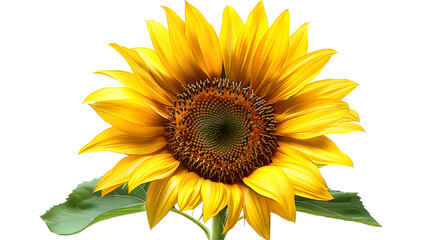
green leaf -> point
(344, 206)
(84, 208)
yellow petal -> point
(351, 116)
(247, 42)
(276, 208)
(298, 44)
(160, 74)
(148, 83)
(215, 197)
(310, 115)
(271, 52)
(310, 106)
(114, 140)
(113, 93)
(119, 93)
(203, 41)
(181, 48)
(321, 150)
(256, 212)
(126, 78)
(131, 116)
(189, 195)
(298, 74)
(235, 205)
(305, 61)
(271, 182)
(231, 28)
(154, 168)
(106, 191)
(161, 196)
(161, 42)
(329, 88)
(333, 128)
(120, 173)
(302, 173)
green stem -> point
(202, 226)
(218, 225)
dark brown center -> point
(221, 131)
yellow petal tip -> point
(152, 222)
(85, 100)
(332, 51)
(151, 225)
(131, 187)
(97, 188)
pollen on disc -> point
(221, 131)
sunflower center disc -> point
(221, 131)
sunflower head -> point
(231, 121)
(221, 130)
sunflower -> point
(229, 121)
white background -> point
(49, 50)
